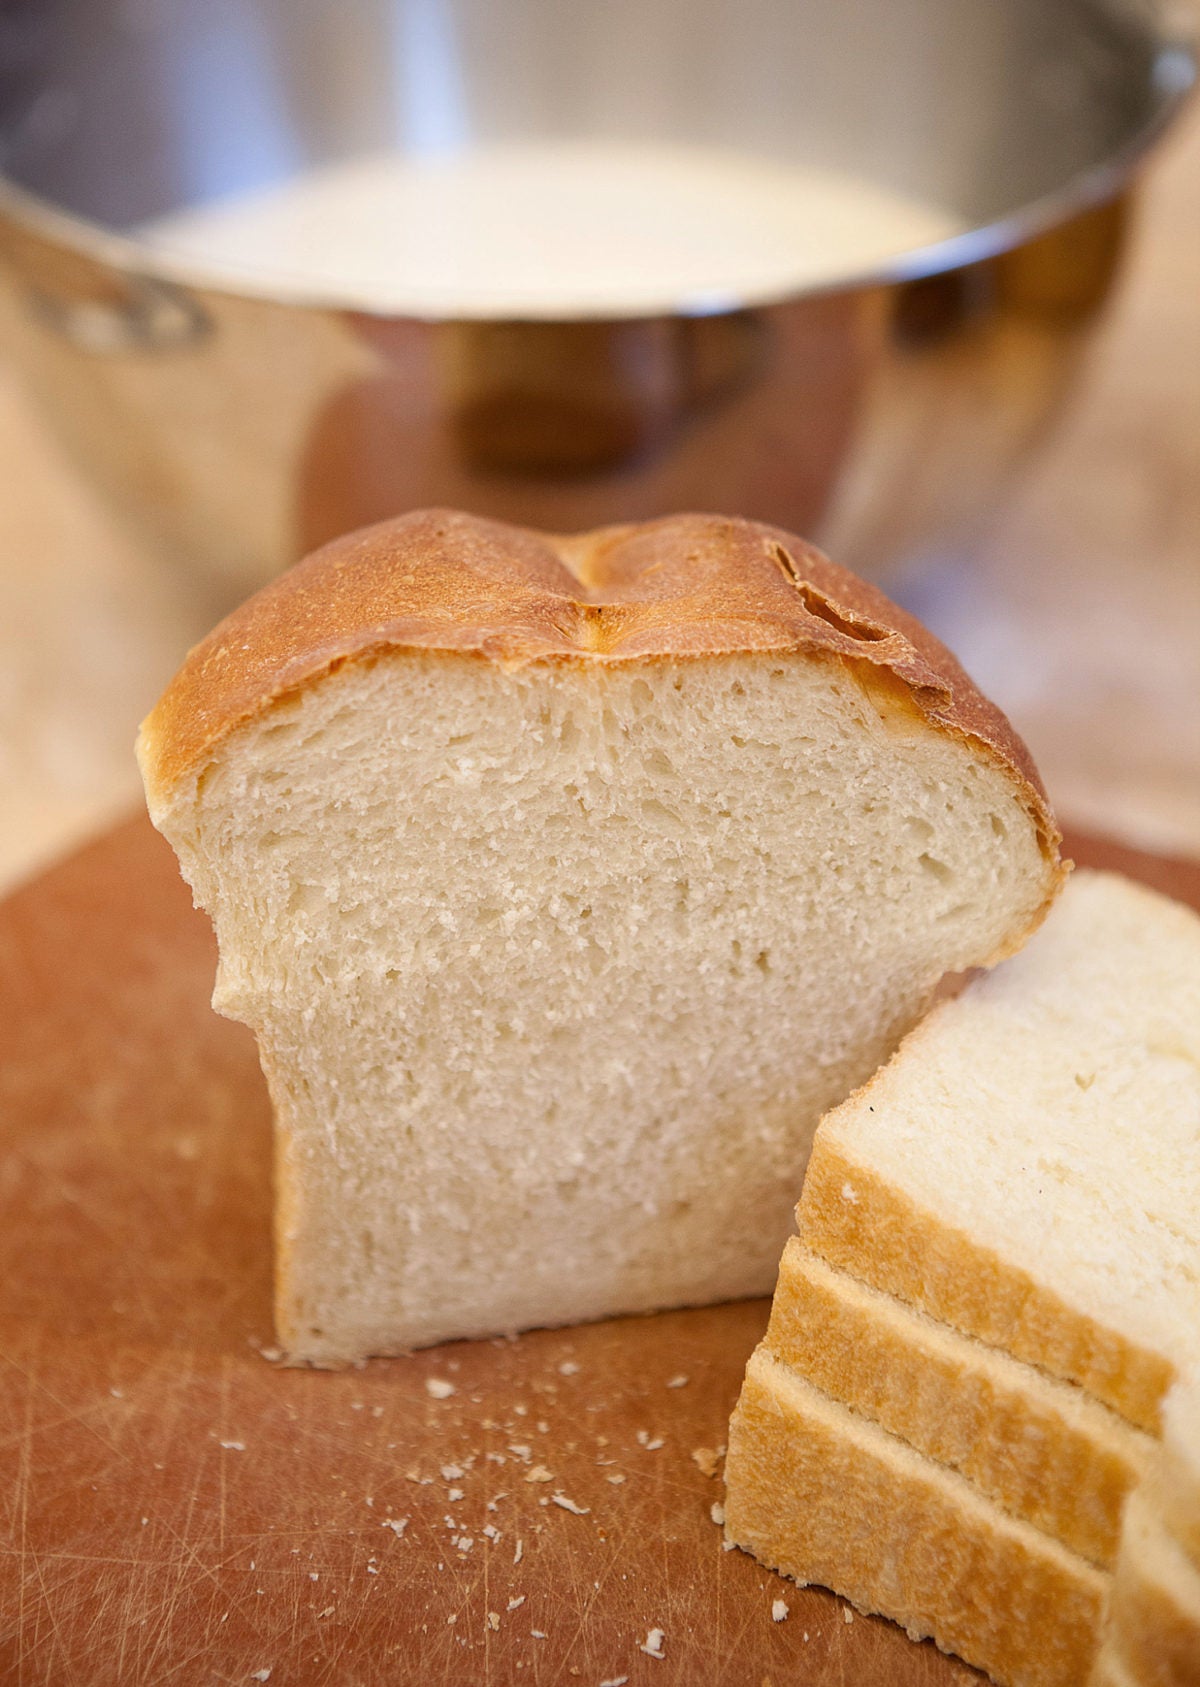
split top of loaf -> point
(1027, 1167)
(684, 587)
(565, 882)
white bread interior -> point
(555, 965)
(1027, 1168)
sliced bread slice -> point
(564, 883)
(1026, 1169)
(827, 1497)
(1041, 1448)
(1154, 1618)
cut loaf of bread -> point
(827, 1497)
(1027, 1168)
(565, 883)
(1041, 1448)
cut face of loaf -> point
(556, 955)
(1027, 1168)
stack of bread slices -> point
(1153, 1632)
(994, 1287)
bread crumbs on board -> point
(707, 1459)
(653, 1644)
(779, 1610)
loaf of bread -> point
(998, 1272)
(565, 882)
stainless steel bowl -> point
(882, 415)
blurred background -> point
(942, 314)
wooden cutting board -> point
(177, 1507)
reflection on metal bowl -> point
(241, 423)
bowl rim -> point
(1174, 75)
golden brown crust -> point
(823, 1496)
(681, 587)
(887, 1240)
(1041, 1450)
